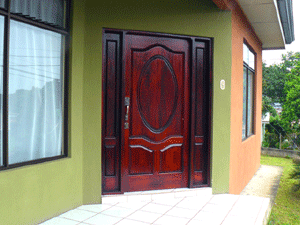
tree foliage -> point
(267, 106)
(291, 107)
(281, 84)
(273, 82)
(276, 75)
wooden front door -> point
(155, 112)
(157, 84)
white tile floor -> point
(179, 206)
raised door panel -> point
(141, 160)
(171, 159)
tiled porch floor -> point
(174, 207)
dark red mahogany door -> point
(156, 111)
(156, 141)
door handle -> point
(126, 114)
(127, 103)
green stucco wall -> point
(32, 194)
(192, 17)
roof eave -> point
(285, 8)
(272, 20)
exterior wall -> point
(245, 155)
(34, 193)
(193, 17)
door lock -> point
(126, 125)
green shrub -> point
(286, 144)
(271, 140)
(296, 159)
(296, 176)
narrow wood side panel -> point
(199, 131)
(111, 109)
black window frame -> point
(65, 124)
(253, 70)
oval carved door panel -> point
(157, 93)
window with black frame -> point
(248, 91)
(34, 36)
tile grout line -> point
(59, 216)
(169, 209)
(122, 218)
(141, 210)
(260, 211)
(64, 218)
(200, 209)
(98, 212)
(230, 210)
(131, 213)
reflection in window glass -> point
(2, 3)
(244, 102)
(1, 84)
(251, 60)
(250, 104)
(248, 92)
(51, 12)
(248, 56)
(35, 93)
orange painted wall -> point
(245, 155)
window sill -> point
(247, 138)
(33, 162)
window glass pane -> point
(250, 104)
(1, 84)
(2, 4)
(35, 93)
(248, 56)
(244, 102)
(251, 60)
(245, 54)
(49, 11)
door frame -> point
(112, 144)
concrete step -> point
(149, 196)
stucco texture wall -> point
(34, 193)
(245, 155)
(193, 17)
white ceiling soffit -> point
(264, 18)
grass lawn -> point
(287, 204)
